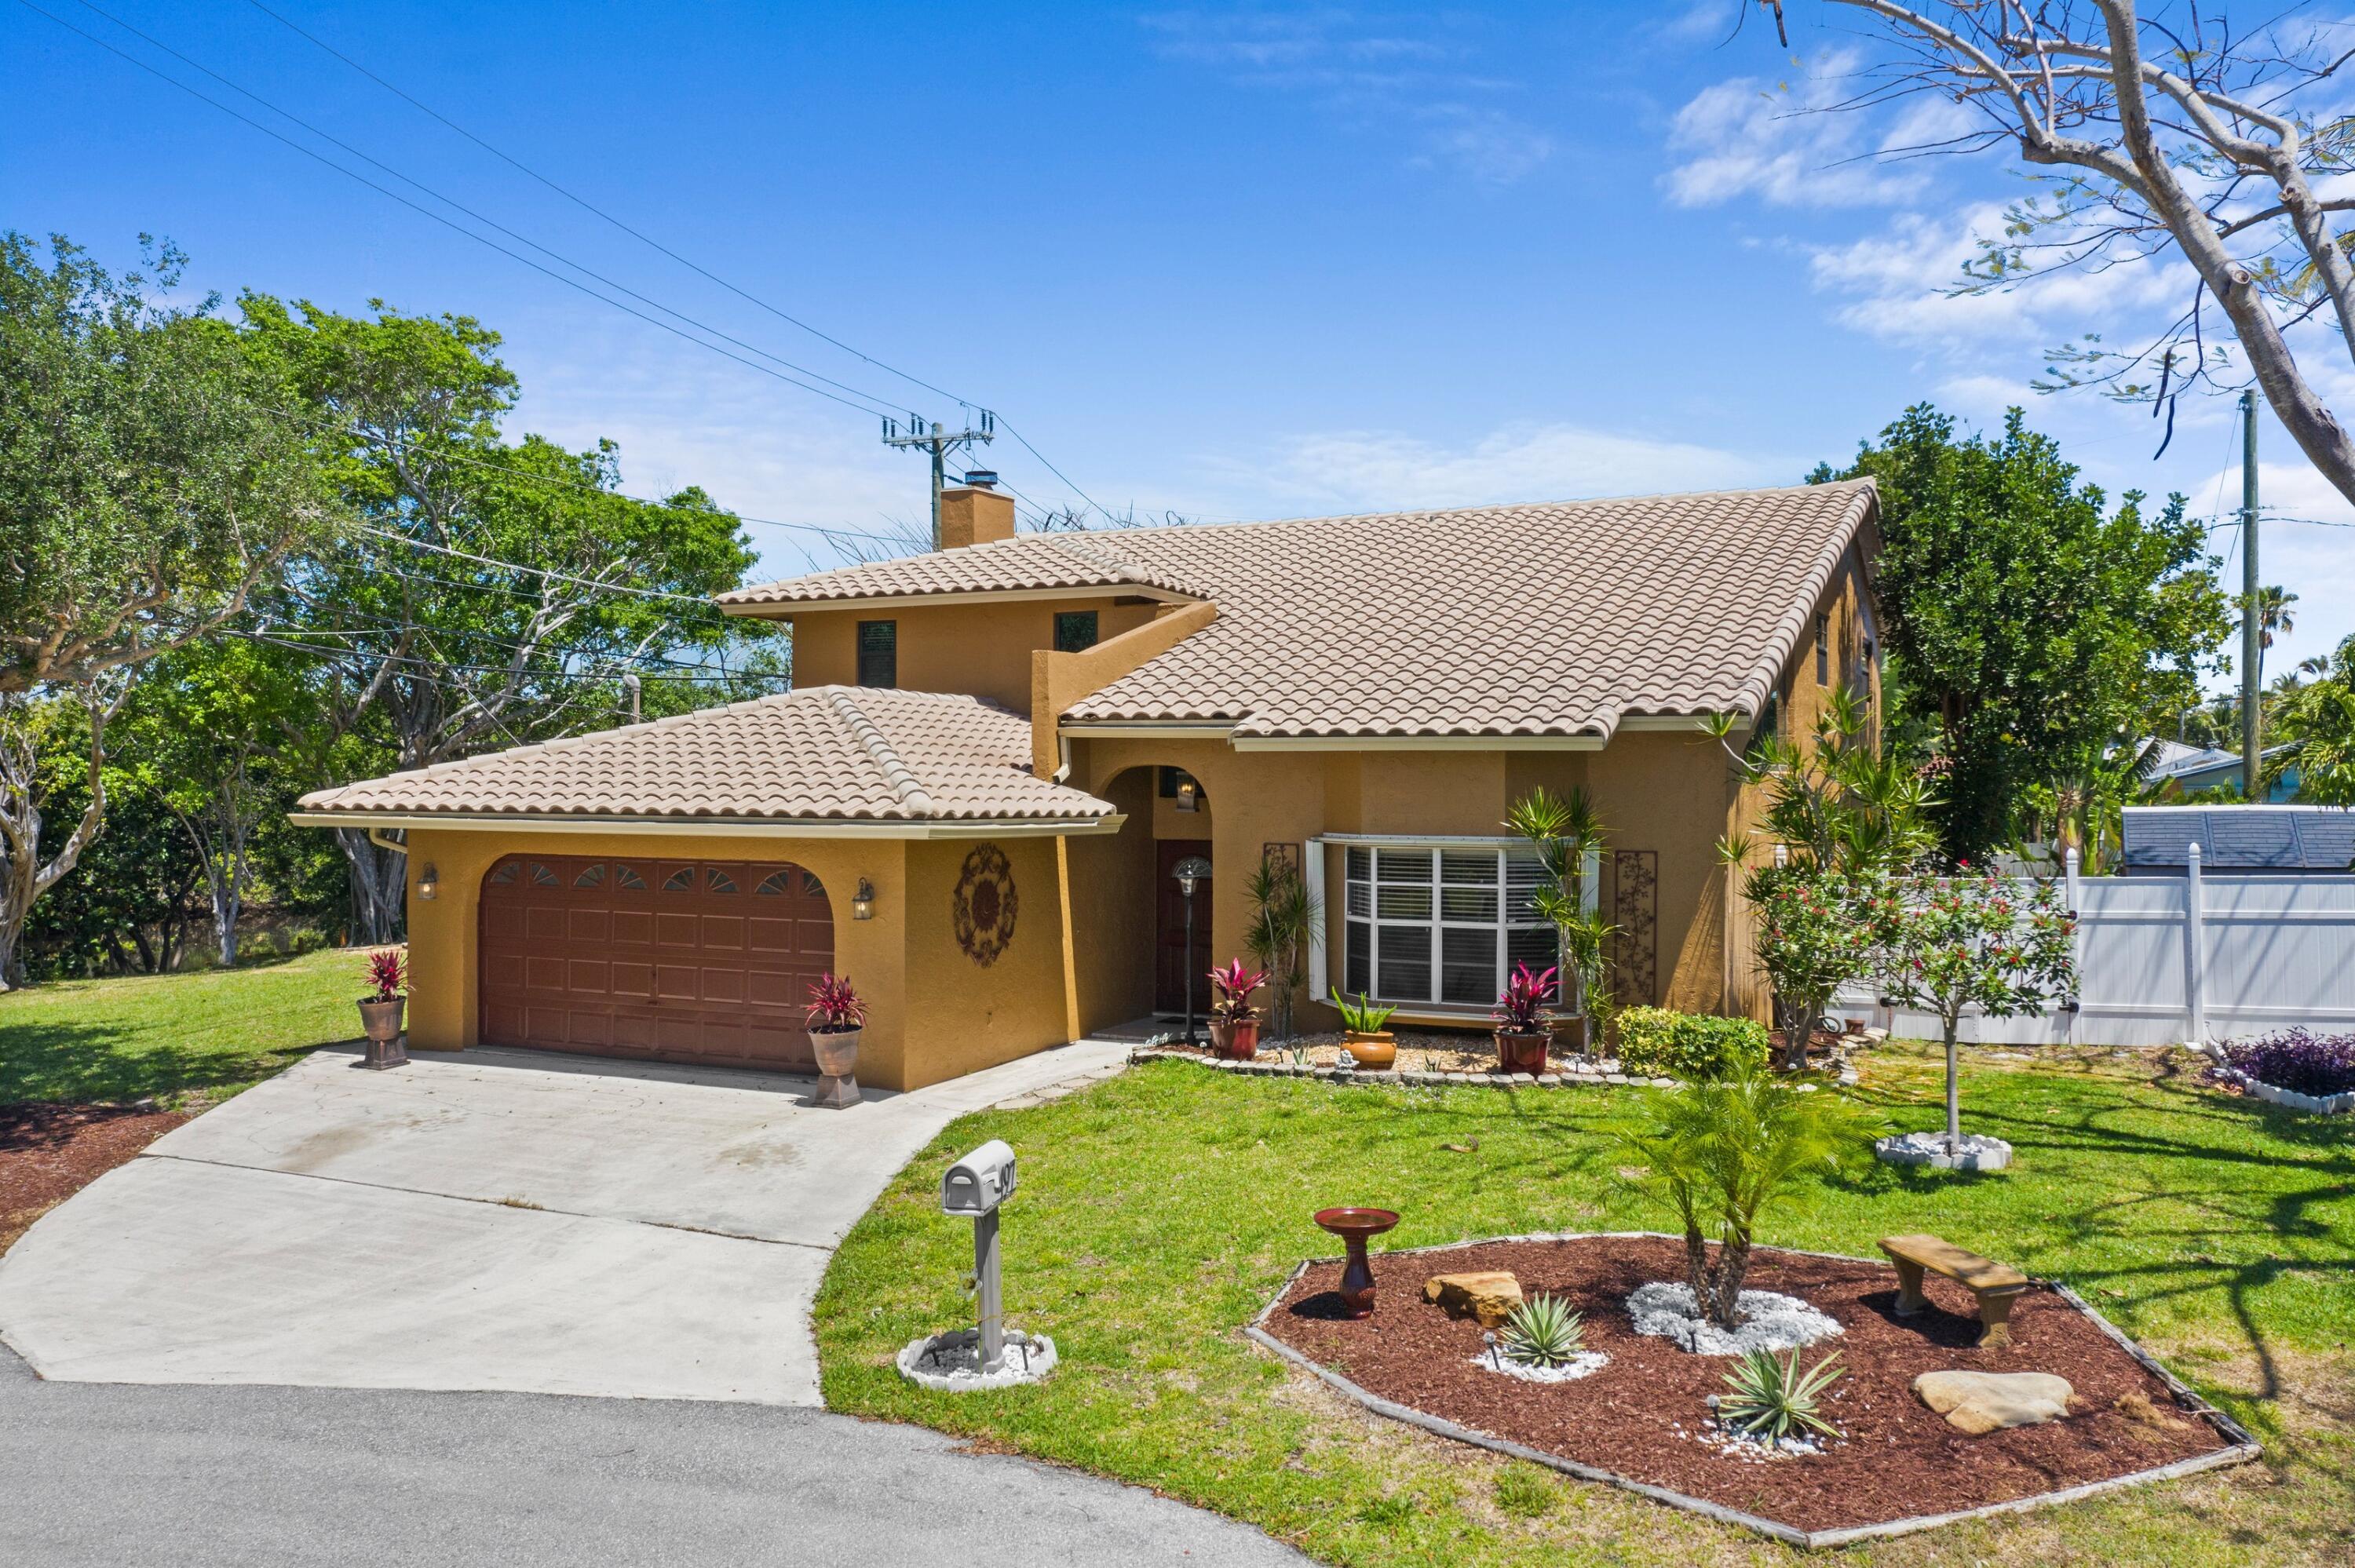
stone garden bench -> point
(1994, 1284)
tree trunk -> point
(12, 968)
(1697, 1269)
(1796, 1020)
(377, 888)
(1732, 1263)
(1953, 1092)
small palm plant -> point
(1544, 1332)
(1774, 1400)
(1716, 1151)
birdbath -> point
(1353, 1226)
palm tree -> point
(2274, 614)
(1715, 1151)
(1283, 913)
(1566, 832)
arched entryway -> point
(666, 959)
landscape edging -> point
(1577, 1072)
(2325, 1105)
(2245, 1446)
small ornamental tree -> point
(1567, 832)
(1972, 941)
(1841, 818)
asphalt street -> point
(256, 1477)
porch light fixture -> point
(1782, 854)
(429, 883)
(1189, 874)
(1189, 794)
(862, 901)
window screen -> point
(879, 653)
(1442, 926)
(1075, 631)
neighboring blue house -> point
(2319, 840)
(2194, 768)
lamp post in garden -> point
(1190, 872)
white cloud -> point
(1377, 470)
(1784, 143)
(1377, 77)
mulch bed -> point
(1897, 1458)
(50, 1152)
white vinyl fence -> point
(2194, 958)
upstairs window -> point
(1075, 631)
(879, 653)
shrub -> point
(834, 1007)
(2298, 1060)
(1656, 1042)
(387, 974)
(1235, 986)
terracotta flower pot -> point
(1377, 1052)
(837, 1051)
(1522, 1053)
(1237, 1040)
(381, 1020)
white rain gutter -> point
(714, 827)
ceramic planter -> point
(381, 1020)
(1237, 1040)
(837, 1065)
(1522, 1053)
(1376, 1052)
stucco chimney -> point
(976, 513)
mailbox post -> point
(975, 1187)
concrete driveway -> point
(500, 1219)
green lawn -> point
(1158, 1212)
(189, 1039)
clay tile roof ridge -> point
(912, 794)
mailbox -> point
(976, 1184)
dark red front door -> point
(676, 960)
(1171, 971)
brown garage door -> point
(678, 960)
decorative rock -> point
(951, 1362)
(1977, 1402)
(1489, 1296)
(1976, 1151)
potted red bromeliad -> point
(1521, 1032)
(1234, 1021)
(837, 1018)
(381, 1012)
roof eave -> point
(719, 827)
(786, 609)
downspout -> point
(376, 836)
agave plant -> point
(1544, 1332)
(1363, 1016)
(1773, 1400)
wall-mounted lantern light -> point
(429, 883)
(1189, 794)
(1782, 854)
(862, 901)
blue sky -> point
(1230, 262)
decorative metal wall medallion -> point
(985, 904)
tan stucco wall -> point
(983, 649)
(962, 1016)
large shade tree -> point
(2172, 132)
(2030, 623)
(494, 591)
(151, 477)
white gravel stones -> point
(1973, 1152)
(1770, 1320)
(1583, 1364)
(951, 1362)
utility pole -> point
(2252, 633)
(940, 442)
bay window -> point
(1441, 923)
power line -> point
(455, 228)
(600, 212)
(534, 571)
(644, 239)
(492, 669)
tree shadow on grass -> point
(87, 1063)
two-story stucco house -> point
(994, 754)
